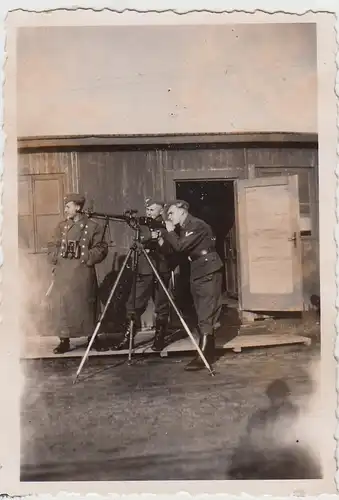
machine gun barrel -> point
(101, 215)
(130, 217)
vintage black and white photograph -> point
(169, 250)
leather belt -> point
(201, 253)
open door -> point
(231, 265)
(269, 247)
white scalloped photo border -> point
(179, 7)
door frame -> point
(172, 176)
(205, 175)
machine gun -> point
(130, 217)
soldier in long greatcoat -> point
(76, 248)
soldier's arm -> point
(188, 241)
(145, 235)
(99, 248)
(164, 246)
(53, 246)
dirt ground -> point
(154, 421)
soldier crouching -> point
(197, 242)
(76, 248)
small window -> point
(40, 200)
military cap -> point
(77, 198)
(154, 201)
(178, 203)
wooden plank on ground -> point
(43, 347)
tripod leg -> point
(178, 312)
(97, 328)
(172, 289)
(134, 285)
(172, 279)
(130, 348)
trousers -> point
(206, 293)
(146, 287)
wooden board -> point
(109, 140)
(43, 347)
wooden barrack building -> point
(258, 191)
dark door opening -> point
(213, 202)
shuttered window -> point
(40, 206)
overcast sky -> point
(167, 79)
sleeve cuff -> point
(171, 237)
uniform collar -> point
(82, 219)
(187, 221)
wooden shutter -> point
(25, 209)
(40, 209)
(48, 203)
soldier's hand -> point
(155, 235)
(169, 225)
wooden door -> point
(231, 263)
(49, 206)
(40, 209)
(26, 237)
(268, 228)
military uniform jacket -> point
(74, 294)
(87, 233)
(159, 255)
(196, 240)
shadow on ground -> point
(264, 452)
(154, 421)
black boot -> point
(98, 344)
(207, 347)
(124, 343)
(63, 347)
(159, 337)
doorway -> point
(213, 202)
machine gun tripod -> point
(134, 251)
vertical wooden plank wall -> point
(116, 179)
